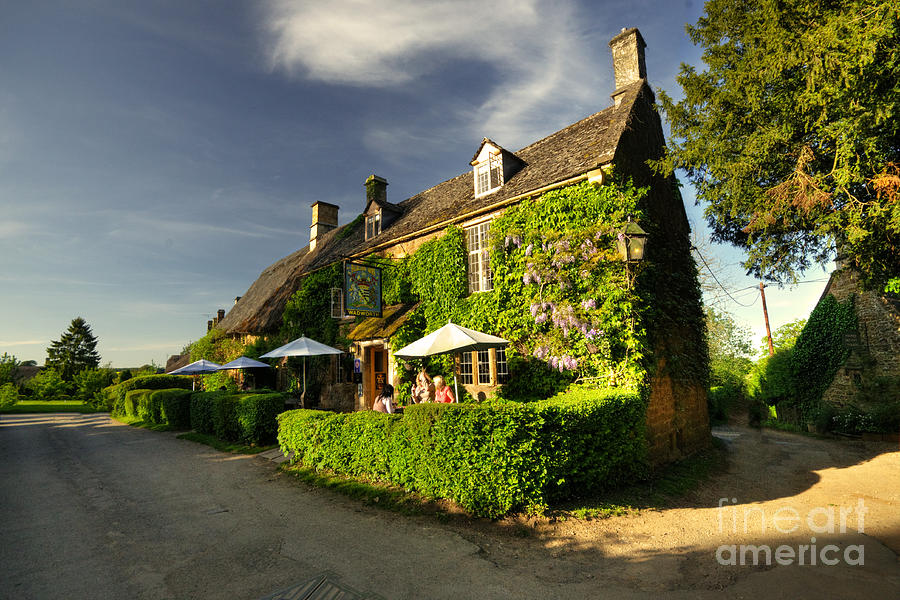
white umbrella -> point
(447, 339)
(244, 363)
(304, 347)
(198, 367)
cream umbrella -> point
(448, 339)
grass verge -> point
(41, 406)
(137, 422)
(221, 445)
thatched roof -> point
(374, 328)
(570, 152)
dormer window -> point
(488, 175)
(373, 225)
(492, 167)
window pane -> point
(465, 368)
(502, 367)
(484, 367)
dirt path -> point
(780, 489)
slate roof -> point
(572, 151)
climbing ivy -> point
(820, 351)
(560, 293)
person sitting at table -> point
(442, 392)
(423, 389)
(384, 402)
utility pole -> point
(762, 293)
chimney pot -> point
(324, 219)
(628, 58)
(221, 314)
(376, 190)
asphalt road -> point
(90, 508)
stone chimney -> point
(220, 315)
(376, 190)
(324, 219)
(628, 59)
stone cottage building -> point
(874, 347)
(625, 135)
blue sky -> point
(156, 156)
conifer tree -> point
(790, 132)
(75, 350)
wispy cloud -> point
(22, 342)
(11, 229)
(538, 60)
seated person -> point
(423, 388)
(384, 402)
(442, 392)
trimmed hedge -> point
(161, 407)
(596, 440)
(247, 418)
(490, 458)
(175, 407)
(115, 394)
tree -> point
(791, 135)
(74, 351)
(729, 349)
(9, 366)
(785, 336)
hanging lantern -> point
(632, 240)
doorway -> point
(377, 371)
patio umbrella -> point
(302, 346)
(198, 367)
(450, 339)
(244, 363)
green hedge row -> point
(247, 418)
(490, 458)
(163, 407)
(115, 394)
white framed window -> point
(502, 366)
(465, 368)
(480, 276)
(337, 303)
(484, 367)
(488, 175)
(373, 225)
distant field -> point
(37, 406)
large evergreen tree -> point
(791, 134)
(75, 350)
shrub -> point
(48, 386)
(9, 395)
(175, 407)
(490, 458)
(257, 417)
(115, 394)
(202, 404)
(771, 380)
(721, 399)
(89, 383)
(596, 439)
(247, 418)
(531, 379)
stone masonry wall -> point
(877, 340)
